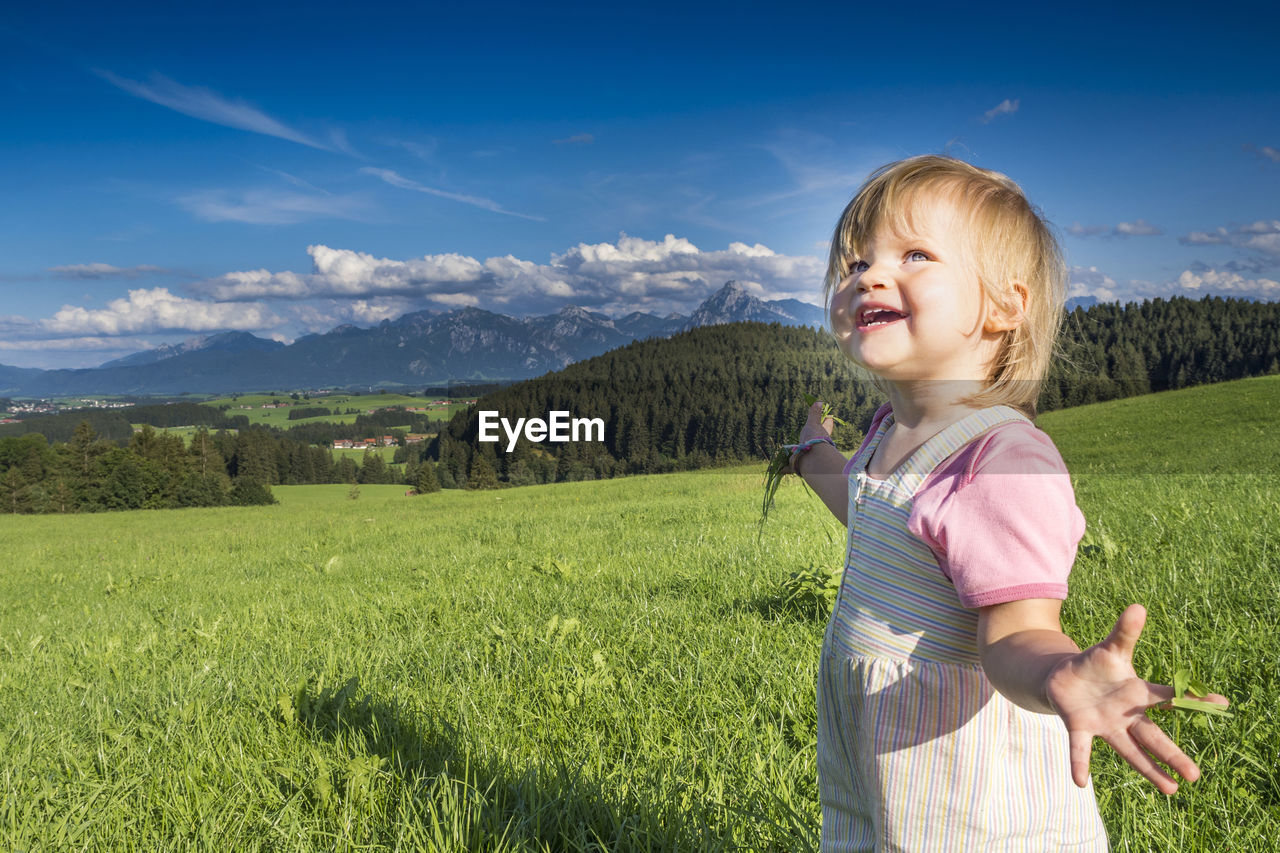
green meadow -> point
(279, 417)
(615, 665)
(359, 453)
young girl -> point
(945, 678)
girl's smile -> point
(873, 315)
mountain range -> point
(423, 348)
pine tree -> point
(482, 474)
(426, 481)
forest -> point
(724, 394)
(154, 470)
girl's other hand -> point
(814, 427)
(1098, 694)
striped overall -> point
(916, 749)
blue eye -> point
(911, 256)
(858, 266)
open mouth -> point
(870, 318)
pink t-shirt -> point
(999, 515)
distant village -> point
(370, 443)
(10, 409)
(49, 407)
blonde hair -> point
(1007, 241)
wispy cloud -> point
(397, 180)
(300, 183)
(101, 270)
(208, 105)
(816, 165)
(1004, 108)
(1137, 228)
(83, 344)
(424, 150)
(1261, 236)
(1264, 151)
(270, 206)
(576, 139)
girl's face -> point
(912, 307)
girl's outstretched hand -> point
(1098, 694)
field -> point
(338, 403)
(602, 665)
(183, 432)
(359, 453)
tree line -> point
(154, 470)
(728, 394)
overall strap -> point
(933, 452)
(860, 459)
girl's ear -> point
(1008, 314)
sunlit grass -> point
(619, 665)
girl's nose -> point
(873, 277)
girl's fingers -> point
(1124, 636)
(1158, 694)
(1126, 747)
(1081, 745)
(1152, 738)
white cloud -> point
(270, 207)
(1138, 228)
(1202, 238)
(207, 105)
(1204, 282)
(1090, 281)
(632, 273)
(146, 311)
(323, 315)
(83, 344)
(397, 180)
(101, 270)
(1261, 236)
(1005, 107)
(349, 274)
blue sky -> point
(169, 172)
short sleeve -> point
(1000, 516)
